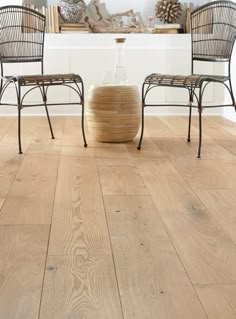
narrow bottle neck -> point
(120, 54)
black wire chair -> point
(213, 32)
(22, 40)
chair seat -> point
(187, 81)
(47, 79)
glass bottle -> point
(119, 71)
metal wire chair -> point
(22, 40)
(213, 32)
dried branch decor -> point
(168, 11)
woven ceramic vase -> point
(72, 10)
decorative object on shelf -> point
(72, 10)
(149, 21)
(187, 19)
(100, 20)
(168, 11)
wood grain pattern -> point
(113, 112)
(72, 132)
(223, 136)
(31, 197)
(152, 280)
(175, 147)
(121, 180)
(79, 224)
(22, 261)
(211, 149)
(102, 150)
(42, 134)
(80, 287)
(114, 161)
(1, 202)
(29, 126)
(224, 123)
(170, 217)
(179, 126)
(43, 149)
(155, 127)
(208, 253)
(5, 124)
(10, 162)
(222, 204)
(149, 149)
(218, 300)
(207, 174)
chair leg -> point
(82, 125)
(200, 133)
(19, 129)
(189, 123)
(232, 94)
(142, 128)
(49, 121)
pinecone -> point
(168, 11)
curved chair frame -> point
(213, 33)
(22, 33)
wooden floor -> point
(109, 232)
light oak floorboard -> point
(179, 125)
(218, 300)
(28, 129)
(43, 149)
(104, 150)
(149, 149)
(1, 202)
(5, 124)
(211, 150)
(121, 180)
(72, 135)
(155, 127)
(80, 287)
(30, 200)
(114, 161)
(219, 134)
(22, 262)
(224, 123)
(208, 253)
(79, 223)
(175, 147)
(207, 174)
(152, 280)
(222, 204)
(10, 162)
(43, 135)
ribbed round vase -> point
(113, 112)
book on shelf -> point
(75, 31)
(51, 14)
(73, 28)
(168, 26)
(165, 31)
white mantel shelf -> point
(107, 40)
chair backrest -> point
(213, 29)
(21, 35)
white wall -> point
(145, 7)
(8, 2)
